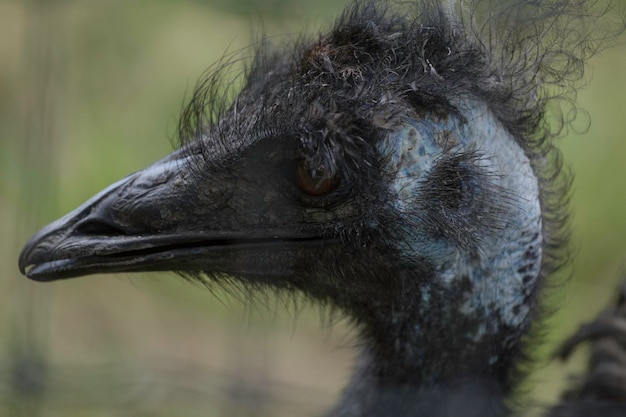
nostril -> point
(94, 227)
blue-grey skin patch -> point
(503, 271)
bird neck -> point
(436, 338)
(417, 363)
(373, 391)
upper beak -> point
(151, 220)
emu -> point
(399, 169)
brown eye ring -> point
(314, 182)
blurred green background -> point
(89, 92)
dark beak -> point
(156, 220)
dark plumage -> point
(399, 168)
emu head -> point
(396, 168)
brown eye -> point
(315, 182)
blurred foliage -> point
(90, 91)
(273, 9)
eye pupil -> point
(315, 182)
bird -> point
(399, 169)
